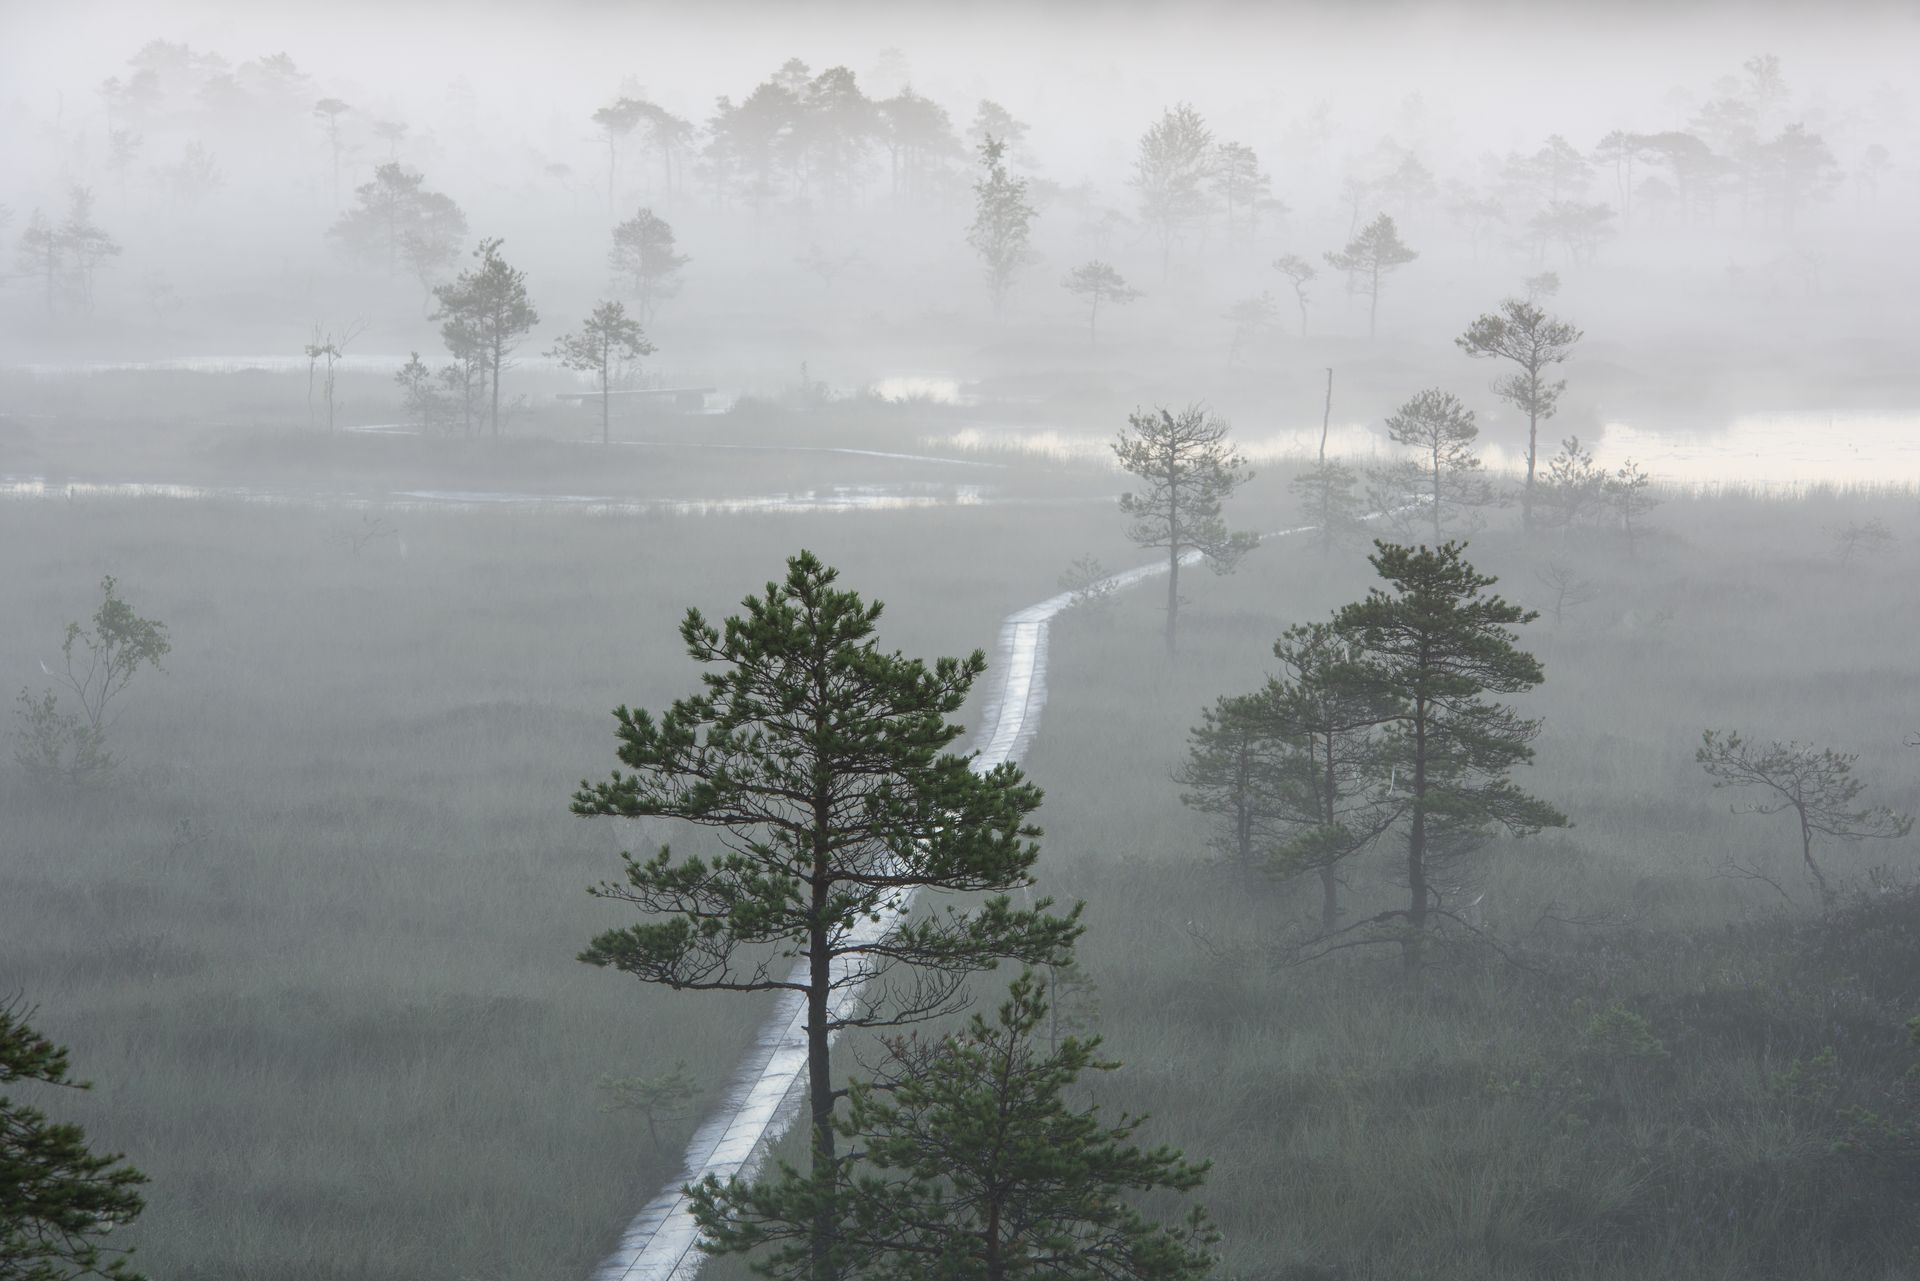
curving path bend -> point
(662, 1241)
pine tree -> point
(644, 255)
(41, 252)
(1370, 257)
(1329, 490)
(1332, 799)
(1002, 222)
(823, 761)
(1232, 772)
(979, 1168)
(1188, 468)
(1295, 772)
(1434, 642)
(1170, 169)
(56, 1196)
(484, 313)
(1533, 340)
(1097, 282)
(1299, 273)
(86, 243)
(1443, 476)
(602, 346)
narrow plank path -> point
(662, 1241)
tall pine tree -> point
(1436, 641)
(822, 762)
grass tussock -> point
(1664, 1070)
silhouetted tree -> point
(644, 255)
(1443, 478)
(1189, 468)
(1250, 318)
(1574, 487)
(1332, 802)
(431, 237)
(1002, 222)
(85, 244)
(1232, 772)
(1097, 283)
(918, 136)
(123, 148)
(669, 136)
(397, 221)
(603, 345)
(1299, 273)
(1629, 492)
(484, 313)
(193, 177)
(1816, 786)
(1328, 491)
(1170, 169)
(328, 112)
(41, 253)
(1794, 168)
(1556, 172)
(991, 120)
(1533, 340)
(836, 131)
(323, 352)
(1578, 228)
(616, 121)
(98, 663)
(1434, 642)
(1241, 185)
(749, 143)
(1369, 258)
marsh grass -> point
(1613, 1104)
(316, 941)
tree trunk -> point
(606, 433)
(1806, 853)
(820, 1074)
(1373, 303)
(1436, 498)
(494, 413)
(1329, 805)
(1533, 446)
(1173, 552)
(1173, 593)
(1326, 414)
(1417, 843)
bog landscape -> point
(1390, 748)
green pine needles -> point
(57, 1198)
(823, 762)
(978, 1167)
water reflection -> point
(939, 389)
(1765, 453)
(824, 499)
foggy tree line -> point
(812, 145)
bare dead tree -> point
(1817, 786)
